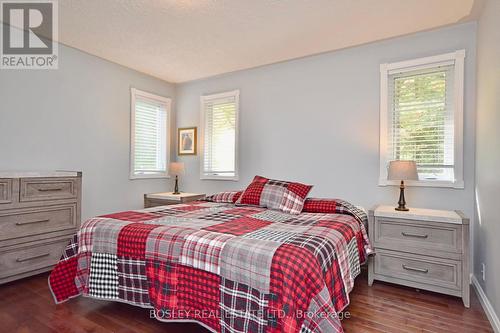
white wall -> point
(316, 120)
(77, 118)
(487, 246)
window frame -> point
(457, 59)
(134, 93)
(203, 99)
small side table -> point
(168, 198)
(421, 248)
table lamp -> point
(177, 169)
(402, 170)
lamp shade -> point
(176, 168)
(402, 170)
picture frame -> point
(187, 141)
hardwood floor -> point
(26, 306)
(386, 307)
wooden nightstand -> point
(422, 248)
(168, 198)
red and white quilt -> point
(230, 268)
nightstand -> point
(421, 248)
(168, 198)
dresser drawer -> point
(419, 269)
(5, 191)
(31, 258)
(34, 221)
(39, 189)
(420, 235)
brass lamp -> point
(177, 169)
(402, 170)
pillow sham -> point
(282, 195)
(320, 205)
(224, 197)
(335, 206)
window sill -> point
(235, 178)
(458, 184)
(151, 176)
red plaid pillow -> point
(275, 194)
(319, 205)
(335, 206)
(224, 197)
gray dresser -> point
(39, 212)
(422, 248)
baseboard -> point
(488, 308)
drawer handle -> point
(50, 189)
(421, 270)
(33, 257)
(31, 222)
(414, 235)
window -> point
(219, 119)
(421, 118)
(149, 145)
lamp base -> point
(402, 202)
(176, 187)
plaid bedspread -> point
(230, 268)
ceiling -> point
(182, 40)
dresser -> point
(421, 248)
(168, 198)
(39, 213)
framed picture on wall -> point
(187, 141)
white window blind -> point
(220, 121)
(421, 120)
(149, 146)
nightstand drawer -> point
(148, 203)
(39, 189)
(35, 221)
(419, 269)
(31, 258)
(400, 235)
(168, 198)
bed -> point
(230, 268)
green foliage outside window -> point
(419, 120)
